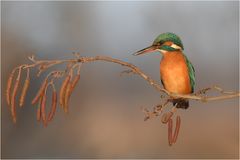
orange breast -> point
(174, 73)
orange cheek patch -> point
(168, 43)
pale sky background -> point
(105, 120)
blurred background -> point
(105, 119)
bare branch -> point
(43, 65)
(197, 96)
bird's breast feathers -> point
(174, 73)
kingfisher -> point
(176, 71)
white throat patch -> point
(163, 51)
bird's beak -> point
(146, 50)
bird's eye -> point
(157, 45)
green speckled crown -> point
(164, 37)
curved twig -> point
(138, 71)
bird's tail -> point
(181, 103)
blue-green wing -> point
(191, 72)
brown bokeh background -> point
(105, 120)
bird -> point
(177, 73)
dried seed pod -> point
(43, 106)
(166, 117)
(24, 90)
(54, 106)
(14, 93)
(39, 110)
(67, 96)
(170, 131)
(63, 90)
(40, 92)
(9, 85)
(178, 123)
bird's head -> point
(165, 42)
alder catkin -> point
(63, 90)
(14, 93)
(71, 85)
(54, 106)
(74, 81)
(178, 123)
(166, 117)
(24, 91)
(43, 106)
(66, 97)
(40, 92)
(8, 89)
(170, 132)
(39, 110)
(13, 105)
